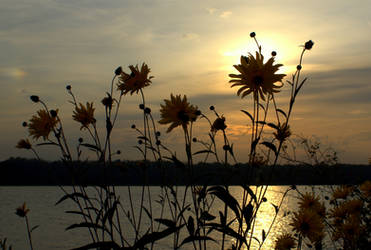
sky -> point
(191, 47)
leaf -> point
(147, 212)
(282, 112)
(254, 143)
(263, 235)
(272, 125)
(84, 224)
(270, 146)
(227, 198)
(250, 192)
(91, 146)
(261, 105)
(229, 231)
(223, 220)
(109, 214)
(247, 213)
(301, 85)
(166, 222)
(275, 208)
(248, 114)
(100, 245)
(155, 236)
(206, 216)
(261, 122)
(203, 152)
(176, 161)
(33, 228)
(72, 196)
(47, 143)
(191, 225)
(195, 238)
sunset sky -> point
(191, 47)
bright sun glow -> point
(287, 52)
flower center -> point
(258, 80)
(182, 115)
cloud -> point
(211, 10)
(225, 14)
(12, 73)
(190, 36)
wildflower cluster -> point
(346, 223)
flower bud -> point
(308, 45)
(141, 106)
(81, 140)
(53, 113)
(24, 124)
(133, 126)
(274, 53)
(34, 98)
(298, 67)
(147, 110)
(252, 34)
(68, 87)
(212, 107)
(118, 71)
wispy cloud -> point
(226, 14)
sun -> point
(287, 52)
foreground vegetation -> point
(112, 225)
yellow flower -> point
(342, 192)
(134, 81)
(178, 112)
(84, 115)
(353, 207)
(285, 242)
(256, 76)
(283, 132)
(218, 124)
(308, 224)
(349, 230)
(366, 189)
(22, 210)
(311, 202)
(42, 124)
(24, 144)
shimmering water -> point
(53, 220)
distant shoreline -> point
(24, 172)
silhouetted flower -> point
(312, 202)
(178, 112)
(22, 210)
(84, 115)
(342, 192)
(285, 242)
(256, 76)
(308, 45)
(219, 124)
(366, 189)
(25, 144)
(308, 224)
(42, 124)
(282, 133)
(134, 81)
(108, 101)
(34, 98)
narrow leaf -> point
(203, 152)
(248, 114)
(282, 112)
(270, 146)
(195, 238)
(166, 222)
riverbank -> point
(18, 171)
